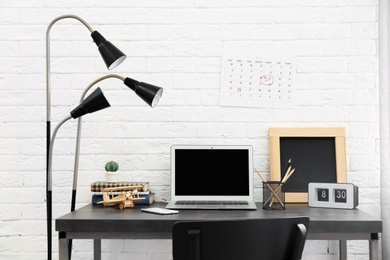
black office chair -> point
(260, 239)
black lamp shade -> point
(111, 55)
(94, 102)
(149, 93)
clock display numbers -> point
(323, 194)
(340, 195)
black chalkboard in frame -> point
(318, 155)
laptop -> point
(211, 177)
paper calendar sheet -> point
(257, 82)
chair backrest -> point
(262, 239)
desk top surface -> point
(97, 218)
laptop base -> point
(249, 206)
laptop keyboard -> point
(210, 203)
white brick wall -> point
(177, 45)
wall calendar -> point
(257, 82)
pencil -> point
(261, 176)
(286, 174)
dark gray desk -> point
(98, 222)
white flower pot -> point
(111, 176)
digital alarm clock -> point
(333, 195)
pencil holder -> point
(273, 197)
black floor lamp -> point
(112, 57)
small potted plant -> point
(111, 169)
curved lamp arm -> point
(48, 72)
(94, 102)
(50, 163)
(111, 55)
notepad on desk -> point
(98, 186)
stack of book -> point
(144, 192)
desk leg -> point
(63, 244)
(343, 249)
(374, 246)
(97, 249)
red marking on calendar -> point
(267, 80)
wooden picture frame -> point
(318, 155)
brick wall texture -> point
(177, 45)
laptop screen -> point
(216, 171)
